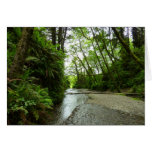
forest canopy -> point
(107, 58)
(44, 61)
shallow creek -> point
(76, 110)
(70, 102)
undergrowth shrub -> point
(26, 101)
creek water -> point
(75, 110)
(70, 102)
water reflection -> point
(70, 102)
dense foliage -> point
(39, 84)
(108, 59)
(105, 59)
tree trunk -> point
(82, 64)
(53, 30)
(104, 59)
(94, 51)
(128, 50)
(90, 69)
(115, 68)
(76, 68)
(63, 39)
(21, 53)
(59, 38)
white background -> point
(74, 138)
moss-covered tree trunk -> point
(105, 62)
(128, 50)
(76, 68)
(21, 53)
(110, 57)
(101, 68)
(83, 65)
(89, 67)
